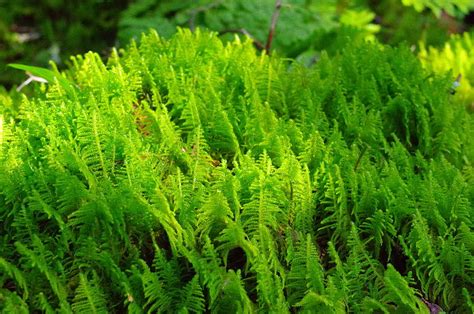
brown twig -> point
(361, 154)
(271, 32)
(243, 31)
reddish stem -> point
(271, 32)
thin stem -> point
(271, 32)
(361, 154)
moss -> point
(189, 174)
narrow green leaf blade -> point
(44, 73)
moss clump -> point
(188, 175)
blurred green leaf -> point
(48, 75)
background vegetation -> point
(34, 32)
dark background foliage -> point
(34, 32)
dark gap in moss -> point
(147, 251)
(163, 242)
(236, 259)
(250, 282)
(10, 285)
(324, 258)
(397, 258)
(469, 19)
(188, 270)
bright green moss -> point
(452, 7)
(455, 57)
(186, 174)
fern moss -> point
(186, 175)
